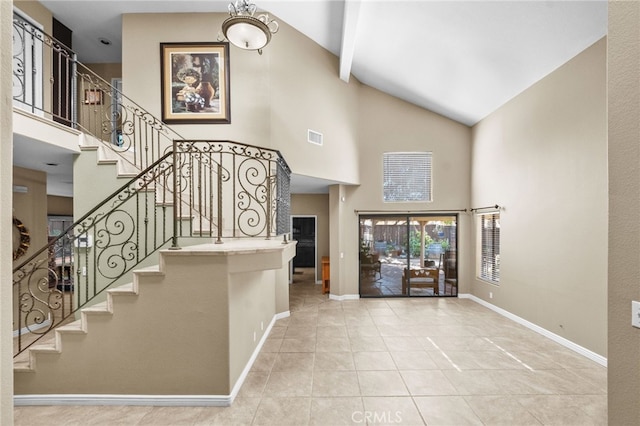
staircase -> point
(189, 325)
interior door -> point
(304, 232)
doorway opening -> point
(408, 255)
(304, 232)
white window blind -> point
(406, 176)
(490, 247)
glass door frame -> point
(450, 278)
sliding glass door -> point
(408, 255)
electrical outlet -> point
(490, 295)
(261, 325)
(254, 336)
(84, 271)
(635, 313)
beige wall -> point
(624, 205)
(106, 71)
(275, 97)
(31, 207)
(387, 124)
(318, 205)
(543, 158)
(59, 206)
(6, 230)
(306, 93)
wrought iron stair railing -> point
(196, 189)
(178, 196)
(81, 99)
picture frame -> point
(195, 83)
(93, 97)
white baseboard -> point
(148, 400)
(344, 297)
(152, 400)
(282, 315)
(543, 331)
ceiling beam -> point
(349, 30)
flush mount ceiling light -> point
(245, 30)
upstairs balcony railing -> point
(198, 189)
(49, 81)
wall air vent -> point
(314, 137)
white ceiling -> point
(461, 59)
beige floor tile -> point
(240, 413)
(374, 361)
(298, 345)
(367, 343)
(428, 382)
(567, 382)
(358, 320)
(331, 319)
(537, 360)
(264, 361)
(289, 383)
(300, 332)
(381, 383)
(335, 383)
(501, 410)
(254, 384)
(158, 416)
(77, 415)
(595, 406)
(395, 330)
(272, 345)
(332, 331)
(333, 344)
(294, 361)
(522, 382)
(336, 411)
(397, 410)
(334, 361)
(363, 331)
(474, 382)
(558, 409)
(402, 343)
(277, 332)
(295, 380)
(463, 343)
(446, 410)
(413, 360)
(283, 411)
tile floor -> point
(387, 361)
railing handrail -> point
(49, 40)
(90, 212)
(259, 198)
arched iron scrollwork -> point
(253, 178)
(101, 247)
(38, 297)
(115, 243)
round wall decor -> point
(21, 239)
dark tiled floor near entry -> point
(433, 361)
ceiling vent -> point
(314, 137)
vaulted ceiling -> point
(461, 59)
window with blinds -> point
(490, 247)
(406, 176)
